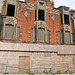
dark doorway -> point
(11, 10)
(41, 15)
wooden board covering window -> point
(24, 64)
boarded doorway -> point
(24, 64)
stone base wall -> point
(39, 60)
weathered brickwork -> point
(35, 17)
(25, 20)
(36, 21)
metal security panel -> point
(41, 35)
(48, 41)
(9, 31)
(67, 37)
(31, 35)
(18, 33)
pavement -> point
(37, 74)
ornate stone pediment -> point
(9, 20)
(67, 28)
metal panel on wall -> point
(48, 41)
(59, 37)
(18, 33)
(67, 37)
(41, 34)
(31, 35)
(9, 31)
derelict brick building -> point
(37, 21)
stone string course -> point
(60, 49)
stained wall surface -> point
(21, 57)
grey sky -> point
(69, 3)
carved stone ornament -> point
(67, 28)
(9, 20)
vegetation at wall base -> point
(58, 72)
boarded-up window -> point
(67, 37)
(31, 35)
(66, 19)
(18, 33)
(24, 64)
(9, 31)
(48, 41)
(41, 34)
(59, 37)
(10, 10)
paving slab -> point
(37, 74)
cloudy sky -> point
(69, 3)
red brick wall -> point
(48, 3)
(25, 21)
(72, 29)
(54, 26)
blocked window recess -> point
(41, 35)
(48, 36)
(66, 19)
(59, 37)
(67, 37)
(9, 31)
(31, 35)
(18, 33)
(41, 15)
(11, 10)
(61, 19)
(35, 14)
